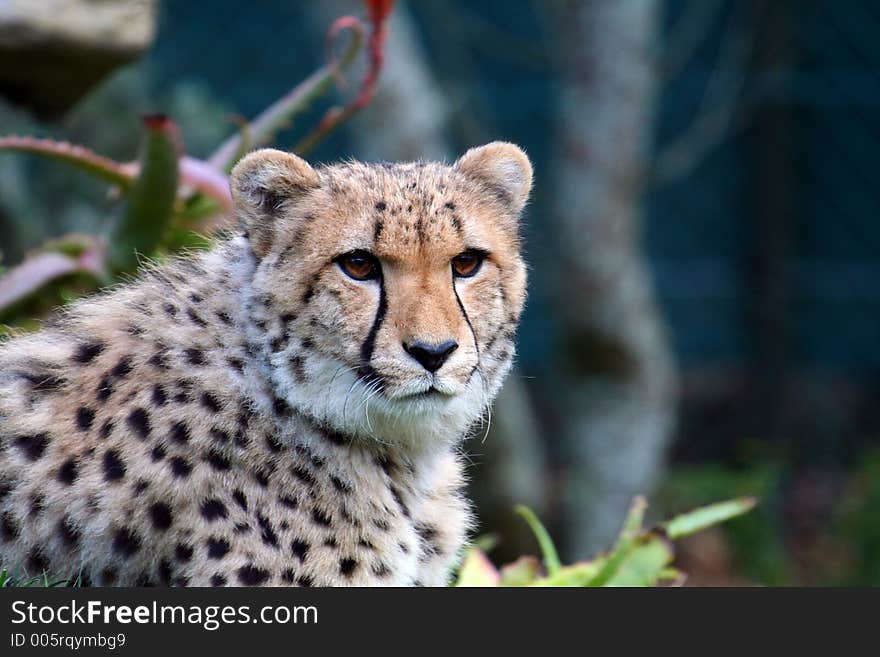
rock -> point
(53, 51)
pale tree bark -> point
(617, 381)
(407, 120)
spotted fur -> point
(249, 415)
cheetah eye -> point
(359, 265)
(467, 263)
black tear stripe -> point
(468, 320)
(370, 343)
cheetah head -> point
(385, 297)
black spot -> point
(305, 581)
(8, 527)
(288, 576)
(289, 502)
(334, 437)
(194, 356)
(161, 515)
(44, 382)
(105, 389)
(300, 549)
(262, 477)
(449, 205)
(217, 548)
(122, 368)
(397, 498)
(179, 433)
(211, 402)
(380, 206)
(272, 443)
(180, 466)
(224, 317)
(280, 407)
(158, 361)
(213, 509)
(33, 446)
(157, 453)
(165, 572)
(108, 576)
(196, 298)
(308, 294)
(140, 486)
(240, 499)
(340, 485)
(380, 570)
(170, 309)
(69, 534)
(347, 566)
(5, 488)
(114, 468)
(217, 461)
(86, 353)
(330, 542)
(38, 504)
(84, 418)
(160, 398)
(241, 528)
(67, 472)
(125, 542)
(183, 552)
(195, 319)
(139, 422)
(106, 429)
(37, 562)
(303, 475)
(320, 517)
(218, 580)
(267, 533)
(250, 575)
(219, 435)
(364, 543)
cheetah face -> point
(386, 297)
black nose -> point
(431, 356)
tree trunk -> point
(616, 377)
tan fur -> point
(216, 422)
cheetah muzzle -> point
(286, 408)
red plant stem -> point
(378, 12)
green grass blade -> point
(548, 550)
(706, 516)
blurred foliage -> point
(640, 557)
(169, 198)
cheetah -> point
(287, 408)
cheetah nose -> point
(430, 356)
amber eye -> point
(466, 264)
(359, 265)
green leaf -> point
(632, 526)
(548, 550)
(150, 204)
(646, 564)
(706, 516)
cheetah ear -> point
(263, 184)
(503, 168)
